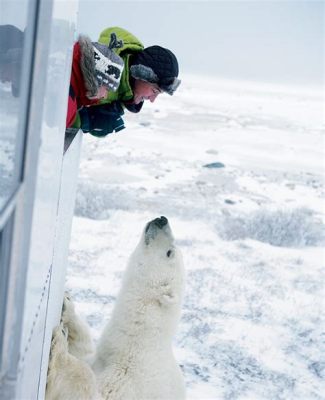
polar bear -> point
(134, 358)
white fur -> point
(68, 378)
(134, 358)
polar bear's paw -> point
(79, 340)
(68, 311)
(58, 354)
(59, 343)
(68, 378)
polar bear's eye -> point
(169, 253)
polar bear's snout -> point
(157, 223)
(156, 227)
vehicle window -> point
(13, 29)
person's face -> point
(144, 91)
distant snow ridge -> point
(283, 228)
(94, 200)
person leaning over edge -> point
(124, 75)
(95, 70)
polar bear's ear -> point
(168, 299)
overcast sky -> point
(271, 41)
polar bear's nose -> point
(160, 222)
(154, 229)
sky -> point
(269, 41)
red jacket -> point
(77, 92)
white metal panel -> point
(46, 205)
(58, 274)
(50, 158)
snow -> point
(237, 168)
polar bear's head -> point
(156, 269)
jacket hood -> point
(130, 42)
(87, 65)
(131, 45)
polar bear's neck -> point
(136, 337)
(138, 325)
(148, 320)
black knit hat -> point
(158, 65)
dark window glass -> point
(13, 103)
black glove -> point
(102, 119)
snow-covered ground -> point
(238, 170)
